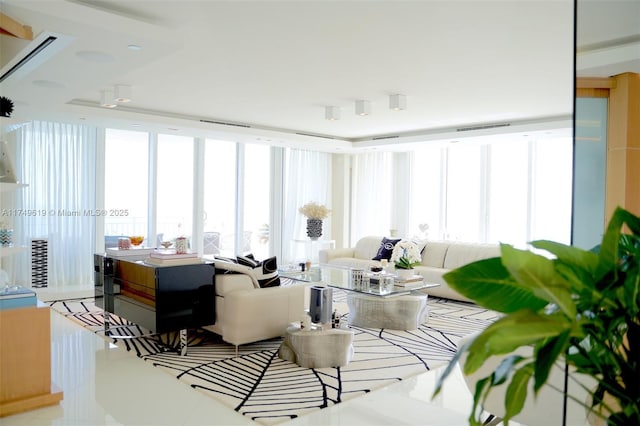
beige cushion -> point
(434, 253)
(226, 283)
(460, 254)
(240, 269)
(367, 247)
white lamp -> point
(363, 107)
(332, 113)
(397, 102)
(122, 93)
(106, 99)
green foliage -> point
(570, 305)
(405, 263)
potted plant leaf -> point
(569, 305)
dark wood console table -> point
(158, 298)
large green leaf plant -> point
(571, 306)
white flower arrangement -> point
(406, 255)
(314, 210)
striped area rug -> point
(269, 390)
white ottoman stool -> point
(397, 313)
(317, 348)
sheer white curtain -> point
(427, 215)
(307, 178)
(58, 162)
(372, 175)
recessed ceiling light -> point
(135, 125)
(134, 47)
(173, 129)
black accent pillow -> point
(247, 260)
(226, 259)
(386, 248)
(266, 271)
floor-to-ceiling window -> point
(256, 201)
(127, 187)
(551, 191)
(219, 228)
(426, 217)
(511, 191)
(501, 192)
(465, 207)
(174, 189)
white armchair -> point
(246, 313)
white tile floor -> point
(105, 385)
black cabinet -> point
(158, 298)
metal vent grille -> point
(486, 126)
(29, 56)
(225, 123)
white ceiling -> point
(272, 66)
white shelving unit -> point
(8, 125)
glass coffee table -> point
(400, 306)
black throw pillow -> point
(386, 248)
(266, 271)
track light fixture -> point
(106, 99)
(397, 102)
(363, 107)
(122, 93)
(332, 113)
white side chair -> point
(246, 313)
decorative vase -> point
(181, 245)
(404, 274)
(314, 228)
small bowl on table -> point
(136, 240)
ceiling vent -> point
(225, 123)
(314, 136)
(482, 127)
(38, 51)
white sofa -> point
(438, 257)
(246, 313)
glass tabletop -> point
(371, 283)
(312, 275)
